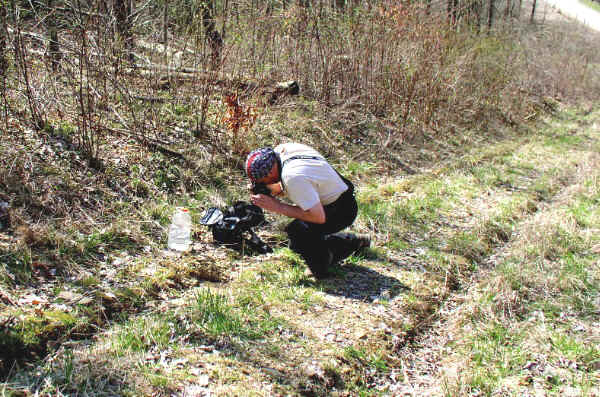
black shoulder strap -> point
(299, 157)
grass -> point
(142, 335)
(500, 225)
(32, 333)
(497, 354)
(215, 315)
(549, 271)
(270, 311)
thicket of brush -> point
(196, 83)
(90, 70)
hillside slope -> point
(470, 259)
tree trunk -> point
(102, 7)
(3, 35)
(3, 61)
(123, 17)
(491, 14)
(452, 10)
(24, 72)
(212, 34)
(533, 11)
(165, 31)
(53, 46)
(475, 14)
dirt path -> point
(576, 10)
(431, 365)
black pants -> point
(319, 244)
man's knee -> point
(297, 229)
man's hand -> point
(266, 202)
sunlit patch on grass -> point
(449, 245)
(532, 322)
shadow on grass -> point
(247, 247)
(361, 283)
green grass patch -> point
(579, 282)
(540, 303)
(557, 242)
(143, 334)
(486, 175)
(496, 353)
(159, 212)
(214, 313)
(376, 213)
(374, 360)
(418, 210)
(216, 316)
(390, 209)
(451, 267)
(279, 283)
(29, 334)
(576, 350)
(469, 245)
(586, 211)
(107, 240)
(15, 266)
(358, 169)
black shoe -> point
(320, 270)
(342, 245)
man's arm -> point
(315, 214)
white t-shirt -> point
(308, 181)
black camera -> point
(260, 188)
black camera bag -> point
(228, 226)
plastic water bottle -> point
(180, 230)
